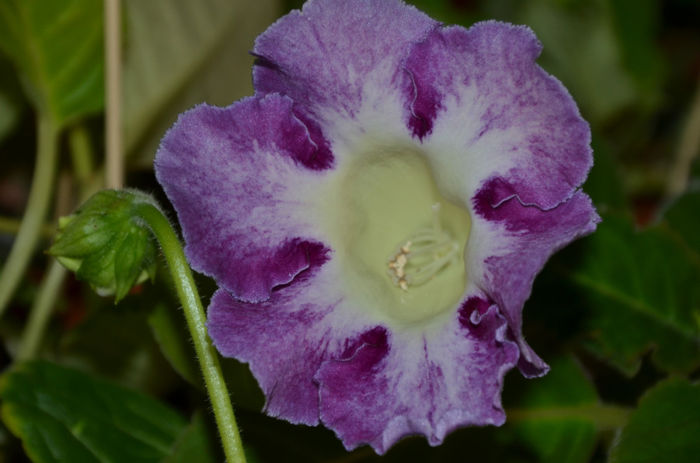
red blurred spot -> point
(138, 289)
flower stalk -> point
(196, 322)
(40, 312)
(37, 207)
(108, 242)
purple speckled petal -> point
(275, 345)
(510, 244)
(235, 175)
(333, 56)
(285, 338)
(387, 385)
(483, 108)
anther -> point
(423, 255)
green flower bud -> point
(106, 244)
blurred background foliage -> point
(617, 314)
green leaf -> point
(552, 415)
(57, 47)
(604, 183)
(682, 220)
(665, 427)
(642, 290)
(174, 342)
(127, 355)
(63, 415)
(581, 49)
(180, 53)
(195, 444)
(446, 11)
(636, 25)
(11, 105)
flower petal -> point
(286, 338)
(388, 385)
(510, 244)
(334, 56)
(235, 176)
(483, 108)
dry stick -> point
(688, 148)
(114, 171)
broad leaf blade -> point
(682, 221)
(137, 363)
(546, 418)
(174, 342)
(195, 444)
(643, 293)
(180, 53)
(604, 182)
(665, 427)
(591, 68)
(636, 24)
(63, 415)
(57, 47)
(11, 104)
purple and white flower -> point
(376, 213)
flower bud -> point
(106, 244)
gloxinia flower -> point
(376, 214)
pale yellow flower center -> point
(399, 240)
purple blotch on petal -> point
(342, 385)
(316, 255)
(426, 99)
(375, 338)
(472, 316)
(322, 157)
(496, 202)
(491, 195)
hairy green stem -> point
(194, 313)
(37, 207)
(605, 416)
(40, 312)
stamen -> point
(423, 255)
